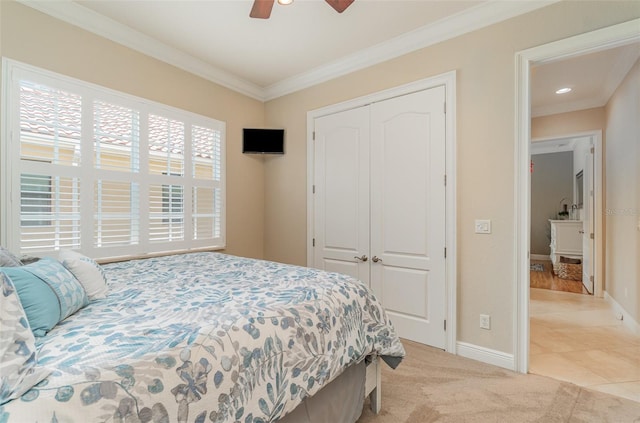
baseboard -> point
(486, 355)
(627, 321)
(539, 257)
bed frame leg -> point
(375, 397)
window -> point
(106, 173)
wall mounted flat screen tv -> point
(262, 141)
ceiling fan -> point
(262, 8)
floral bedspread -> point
(204, 337)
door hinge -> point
(445, 108)
(590, 278)
(314, 135)
(591, 236)
(445, 252)
(313, 242)
(593, 150)
(445, 325)
(313, 190)
(445, 180)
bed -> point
(209, 337)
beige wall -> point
(485, 62)
(623, 194)
(37, 39)
(568, 123)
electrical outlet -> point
(485, 321)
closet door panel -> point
(341, 199)
(404, 173)
(408, 212)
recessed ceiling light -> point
(285, 2)
(563, 90)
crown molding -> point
(89, 20)
(555, 109)
(480, 16)
(477, 17)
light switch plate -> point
(483, 226)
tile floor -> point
(577, 338)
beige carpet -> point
(433, 386)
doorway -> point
(566, 219)
(603, 39)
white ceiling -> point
(295, 39)
(592, 77)
(308, 42)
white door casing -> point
(408, 213)
(588, 230)
(341, 185)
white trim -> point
(597, 40)
(486, 355)
(480, 16)
(448, 80)
(6, 236)
(599, 244)
(552, 146)
(627, 319)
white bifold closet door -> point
(379, 206)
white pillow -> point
(19, 370)
(87, 271)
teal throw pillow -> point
(49, 293)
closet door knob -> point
(363, 258)
(375, 259)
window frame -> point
(13, 166)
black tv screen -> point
(263, 141)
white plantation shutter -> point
(116, 135)
(106, 173)
(166, 200)
(49, 212)
(206, 170)
(166, 146)
(166, 213)
(116, 221)
(50, 124)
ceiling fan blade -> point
(339, 5)
(261, 9)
